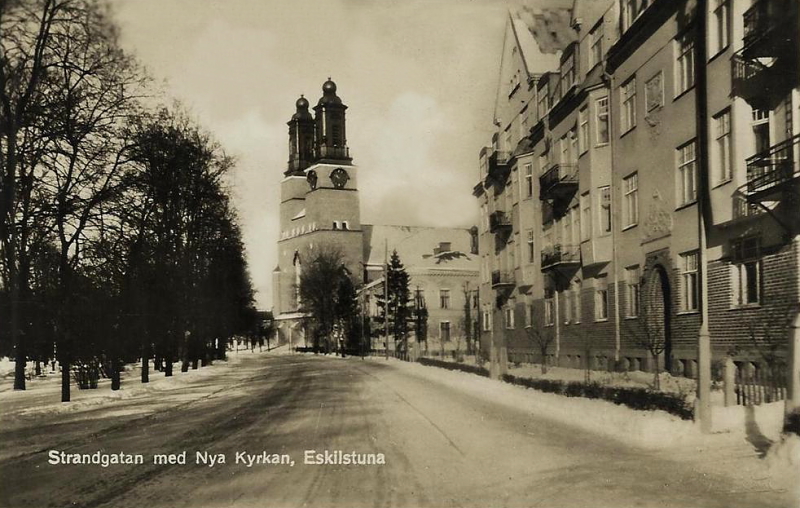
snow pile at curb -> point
(647, 429)
(783, 458)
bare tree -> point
(542, 340)
(649, 334)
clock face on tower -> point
(339, 178)
(312, 179)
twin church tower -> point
(319, 199)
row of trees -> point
(118, 239)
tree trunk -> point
(145, 363)
(64, 379)
(168, 366)
(115, 375)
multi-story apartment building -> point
(642, 181)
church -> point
(320, 206)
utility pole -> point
(386, 294)
(703, 403)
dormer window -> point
(345, 225)
(336, 225)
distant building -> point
(625, 129)
(320, 206)
(442, 264)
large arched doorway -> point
(658, 312)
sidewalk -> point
(746, 454)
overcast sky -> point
(419, 77)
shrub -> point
(463, 367)
(635, 398)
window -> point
(523, 124)
(531, 251)
(548, 310)
(633, 290)
(684, 68)
(689, 282)
(600, 299)
(601, 111)
(687, 174)
(419, 298)
(576, 300)
(583, 130)
(487, 320)
(586, 211)
(544, 100)
(761, 130)
(507, 140)
(722, 133)
(567, 306)
(596, 51)
(630, 207)
(628, 100)
(509, 318)
(575, 238)
(605, 210)
(444, 331)
(654, 92)
(573, 145)
(444, 298)
(565, 159)
(631, 9)
(720, 20)
(568, 73)
(528, 315)
(746, 271)
(529, 179)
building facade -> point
(642, 181)
(443, 265)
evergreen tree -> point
(400, 313)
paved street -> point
(443, 447)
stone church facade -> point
(320, 208)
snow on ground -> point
(42, 393)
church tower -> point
(320, 205)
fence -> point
(759, 383)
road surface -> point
(442, 447)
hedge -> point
(635, 398)
(463, 367)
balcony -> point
(502, 280)
(769, 28)
(560, 256)
(766, 68)
(499, 222)
(558, 182)
(770, 171)
(498, 165)
(761, 85)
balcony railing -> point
(502, 279)
(499, 222)
(767, 171)
(559, 181)
(559, 255)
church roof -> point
(416, 246)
